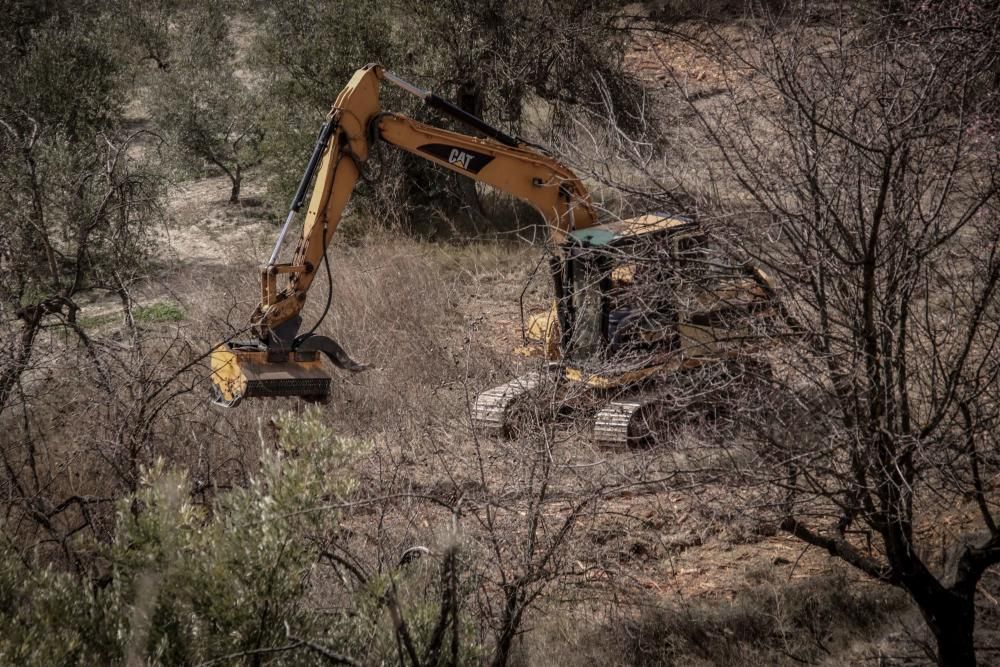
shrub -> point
(768, 622)
(183, 584)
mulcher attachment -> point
(249, 370)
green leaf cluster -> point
(184, 584)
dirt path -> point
(200, 230)
(203, 227)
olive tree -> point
(76, 227)
(206, 102)
(306, 52)
(75, 204)
(527, 67)
(59, 68)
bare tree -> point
(863, 158)
(76, 223)
(77, 227)
(526, 540)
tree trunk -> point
(470, 99)
(509, 624)
(952, 619)
(236, 177)
(10, 375)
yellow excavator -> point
(619, 317)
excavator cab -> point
(635, 300)
(614, 285)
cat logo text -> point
(461, 158)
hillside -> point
(774, 521)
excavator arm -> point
(281, 362)
(534, 177)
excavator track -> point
(494, 408)
(626, 422)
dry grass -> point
(768, 621)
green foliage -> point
(147, 24)
(204, 101)
(510, 62)
(187, 584)
(92, 322)
(493, 57)
(59, 68)
(231, 583)
(187, 587)
(76, 213)
(162, 311)
(310, 49)
(75, 201)
(48, 618)
(306, 52)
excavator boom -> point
(282, 362)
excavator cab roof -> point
(624, 231)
